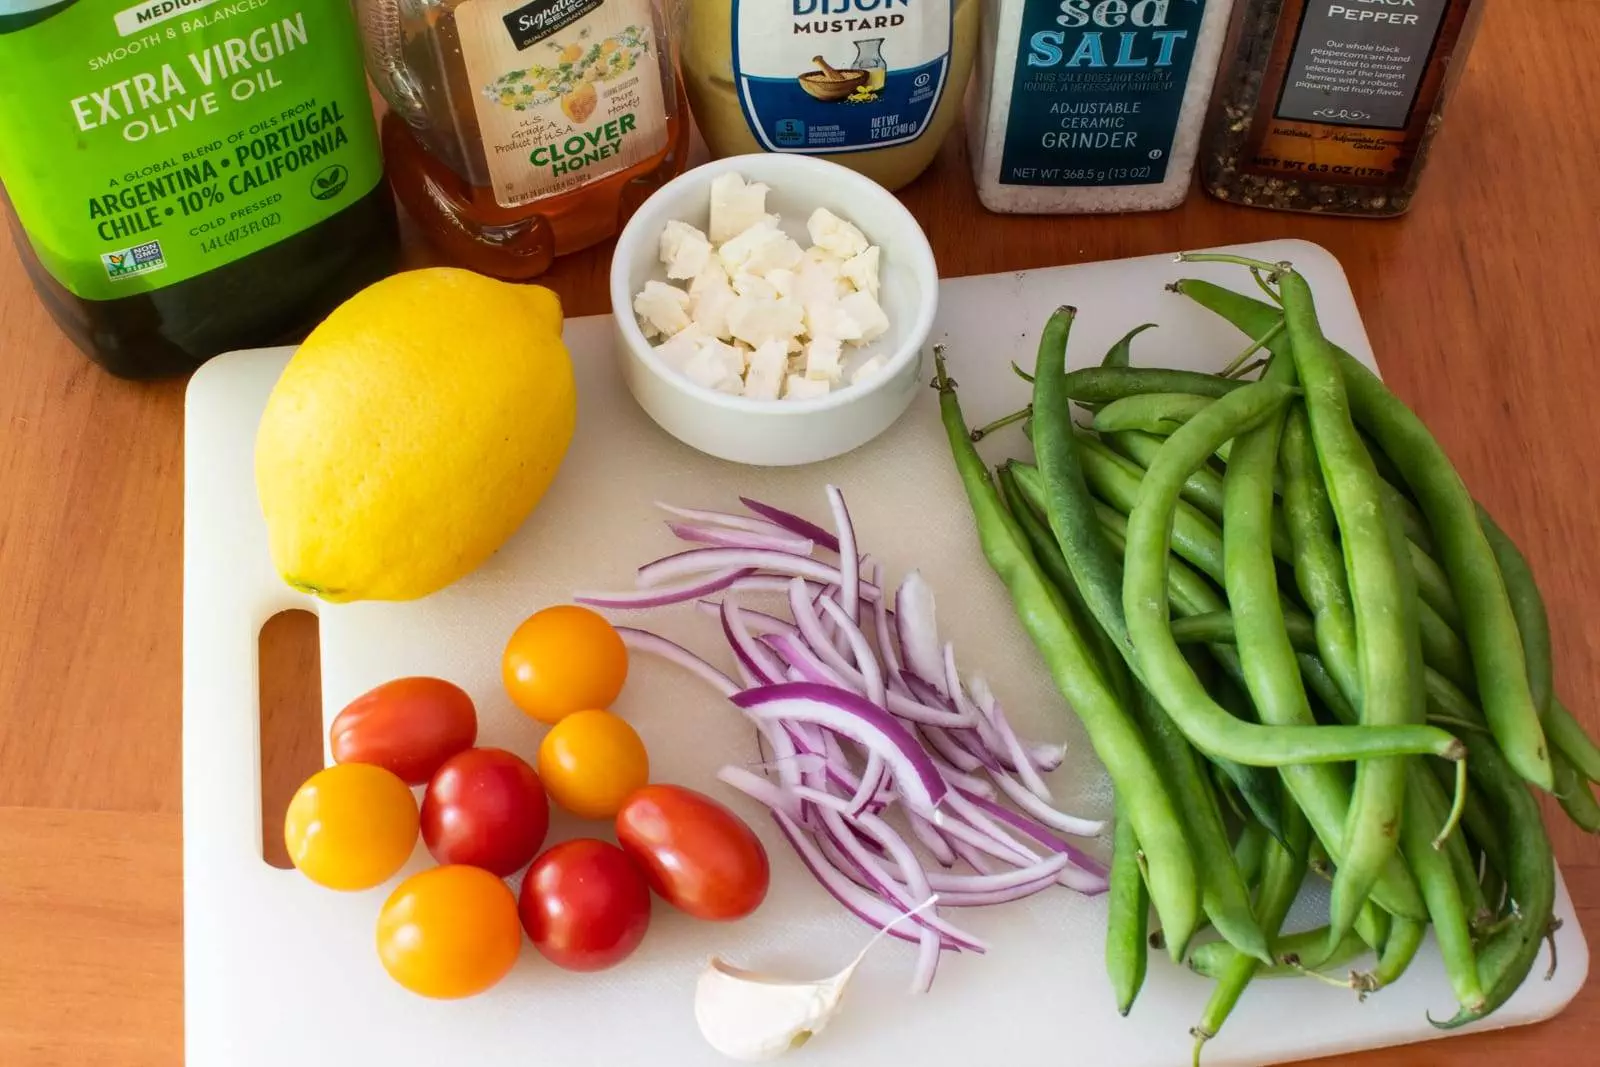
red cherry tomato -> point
(409, 726)
(699, 856)
(485, 807)
(585, 905)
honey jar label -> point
(831, 76)
(565, 91)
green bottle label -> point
(143, 145)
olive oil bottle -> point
(186, 177)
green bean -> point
(1270, 668)
(1068, 505)
(1382, 597)
(1405, 937)
(1507, 957)
(1283, 870)
(1373, 926)
(1214, 957)
(1172, 879)
(1249, 851)
(1572, 791)
(1443, 649)
(1102, 385)
(1432, 585)
(1223, 894)
(1127, 918)
(1435, 876)
(1462, 547)
(1121, 353)
(1195, 538)
(1527, 605)
(1569, 736)
(1157, 413)
(1318, 565)
(1204, 487)
(1165, 671)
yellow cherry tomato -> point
(592, 761)
(351, 826)
(449, 932)
(561, 660)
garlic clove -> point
(751, 1017)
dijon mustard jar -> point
(874, 85)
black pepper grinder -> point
(1330, 106)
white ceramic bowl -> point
(776, 433)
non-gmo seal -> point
(329, 182)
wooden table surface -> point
(1483, 305)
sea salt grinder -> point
(1092, 105)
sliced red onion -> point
(918, 626)
(970, 856)
(965, 810)
(858, 901)
(941, 742)
(759, 622)
(816, 640)
(866, 661)
(725, 519)
(849, 561)
(802, 661)
(984, 697)
(962, 780)
(757, 788)
(854, 717)
(784, 753)
(768, 583)
(700, 560)
(793, 523)
(940, 848)
(1047, 757)
(992, 748)
(1044, 872)
(725, 538)
(1038, 832)
(906, 895)
(1028, 801)
(661, 596)
(880, 620)
(672, 652)
(750, 652)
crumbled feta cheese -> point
(869, 369)
(735, 206)
(662, 309)
(710, 298)
(830, 232)
(768, 364)
(863, 311)
(684, 250)
(818, 277)
(822, 359)
(761, 248)
(796, 387)
(861, 271)
(759, 315)
(756, 321)
(678, 349)
(753, 285)
(782, 281)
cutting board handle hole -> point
(289, 652)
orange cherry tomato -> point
(409, 726)
(351, 826)
(590, 762)
(561, 660)
(449, 932)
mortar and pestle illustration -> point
(830, 84)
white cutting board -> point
(279, 972)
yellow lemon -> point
(412, 433)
